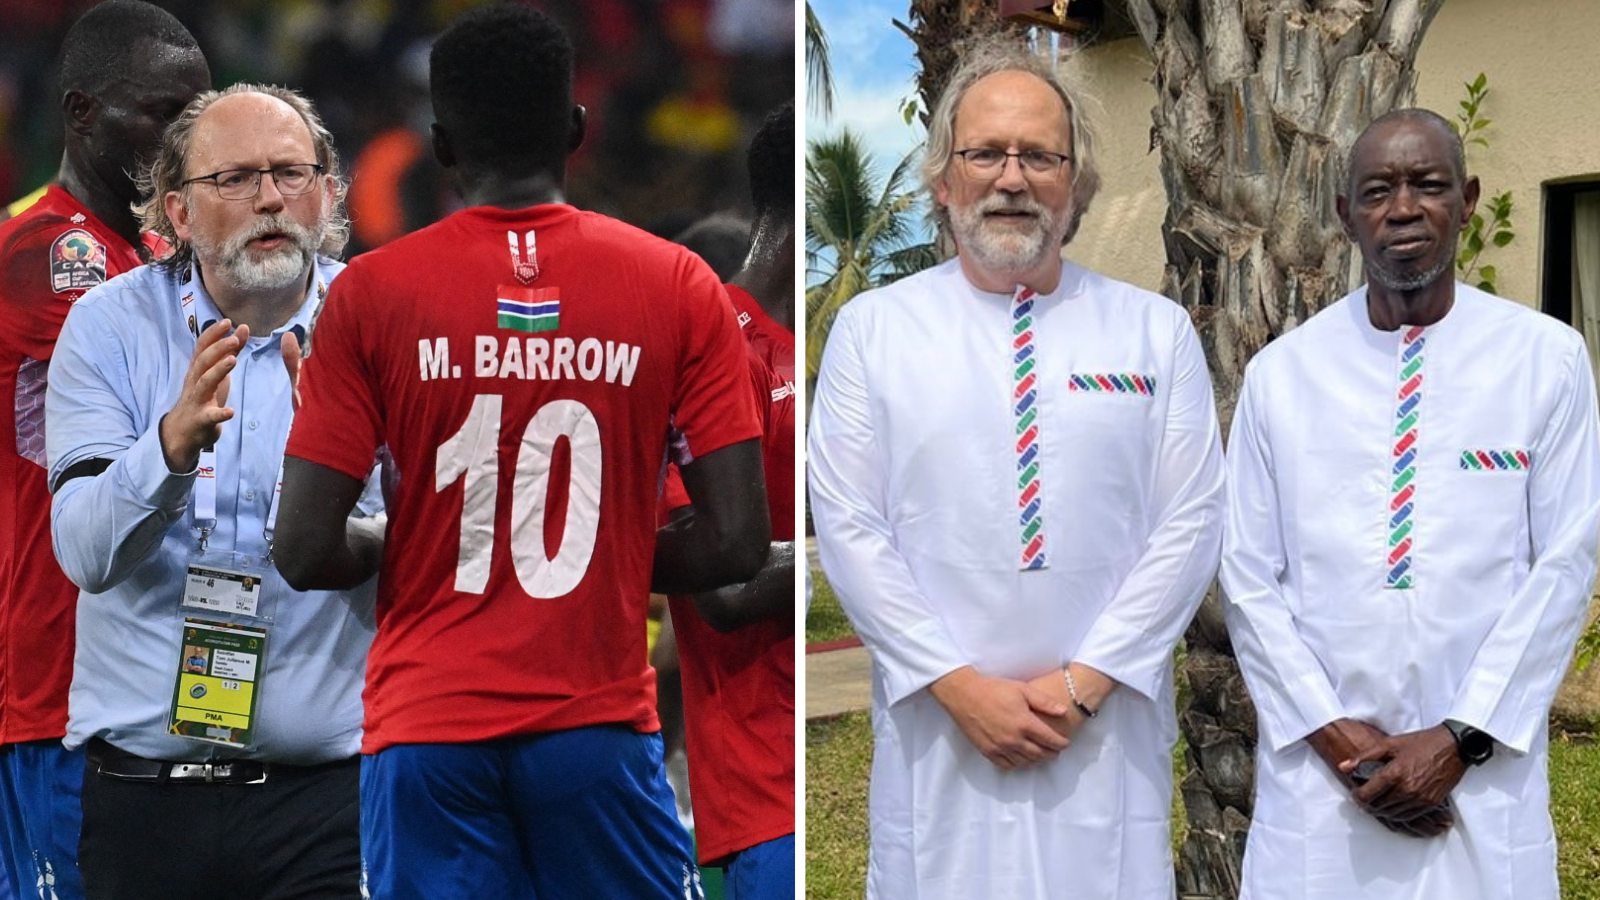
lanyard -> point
(205, 482)
(205, 495)
(205, 500)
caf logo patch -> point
(197, 691)
(77, 262)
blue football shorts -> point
(572, 814)
(41, 817)
(762, 872)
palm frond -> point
(819, 66)
(861, 231)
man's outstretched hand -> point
(195, 420)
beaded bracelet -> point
(1072, 691)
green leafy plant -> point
(1495, 229)
(1588, 646)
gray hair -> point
(991, 56)
(166, 173)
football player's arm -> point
(725, 541)
(769, 595)
(318, 545)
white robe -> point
(914, 491)
(1502, 560)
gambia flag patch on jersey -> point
(528, 308)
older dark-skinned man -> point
(1016, 480)
(1406, 584)
(128, 68)
(169, 406)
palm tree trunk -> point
(1258, 102)
(939, 29)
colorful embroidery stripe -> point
(1113, 383)
(1025, 396)
(1495, 460)
(1403, 489)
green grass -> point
(839, 752)
(826, 621)
(838, 756)
(1575, 807)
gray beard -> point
(238, 266)
(1406, 283)
(1005, 250)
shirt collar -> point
(200, 310)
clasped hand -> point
(1014, 724)
(1410, 794)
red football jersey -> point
(50, 254)
(524, 368)
(774, 342)
(775, 401)
(738, 689)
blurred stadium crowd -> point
(674, 89)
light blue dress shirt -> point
(127, 536)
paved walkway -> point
(837, 682)
(838, 679)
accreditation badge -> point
(232, 597)
(234, 584)
(219, 682)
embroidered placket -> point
(1025, 397)
(1403, 490)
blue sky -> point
(874, 72)
(873, 75)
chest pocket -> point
(1490, 494)
(1119, 405)
(1476, 459)
(1491, 484)
(1130, 384)
(1114, 418)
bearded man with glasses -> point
(242, 776)
(1016, 481)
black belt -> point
(110, 762)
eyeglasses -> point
(1036, 165)
(244, 184)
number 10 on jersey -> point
(474, 452)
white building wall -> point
(1542, 58)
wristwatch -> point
(1473, 746)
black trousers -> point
(295, 836)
